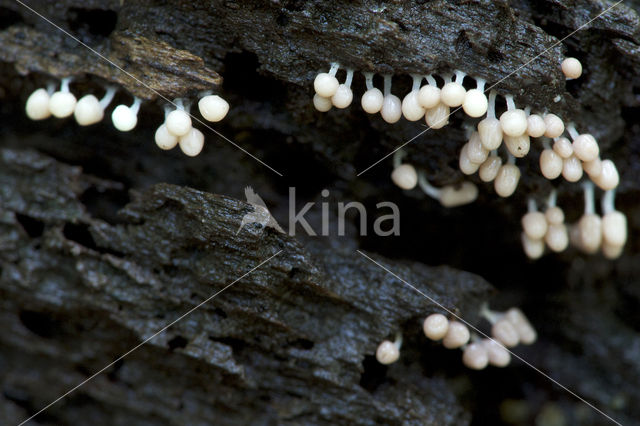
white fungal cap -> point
(326, 84)
(563, 147)
(476, 152)
(405, 176)
(88, 111)
(526, 332)
(438, 116)
(609, 178)
(489, 169)
(590, 224)
(125, 118)
(343, 96)
(435, 326)
(593, 168)
(411, 108)
(507, 179)
(453, 93)
(391, 105)
(429, 95)
(572, 169)
(614, 223)
(534, 223)
(571, 68)
(504, 332)
(490, 132)
(536, 126)
(37, 106)
(534, 249)
(611, 252)
(454, 196)
(178, 122)
(322, 104)
(557, 238)
(550, 163)
(457, 335)
(518, 146)
(585, 146)
(373, 98)
(387, 352)
(554, 125)
(62, 103)
(513, 121)
(467, 166)
(213, 108)
(554, 215)
(475, 356)
(192, 143)
(164, 139)
(475, 101)
(498, 355)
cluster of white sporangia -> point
(508, 329)
(88, 110)
(590, 234)
(515, 127)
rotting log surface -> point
(96, 258)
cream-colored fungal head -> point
(498, 355)
(372, 101)
(554, 215)
(554, 126)
(563, 147)
(164, 139)
(590, 227)
(387, 352)
(609, 178)
(325, 84)
(557, 238)
(514, 122)
(178, 122)
(438, 116)
(476, 152)
(192, 143)
(429, 96)
(452, 94)
(593, 168)
(526, 332)
(571, 68)
(405, 176)
(475, 103)
(343, 97)
(611, 252)
(585, 147)
(457, 335)
(489, 169)
(551, 164)
(454, 195)
(88, 111)
(572, 169)
(213, 108)
(322, 104)
(533, 248)
(518, 146)
(490, 132)
(411, 108)
(124, 118)
(536, 126)
(475, 356)
(504, 332)
(37, 106)
(507, 180)
(534, 224)
(62, 104)
(467, 166)
(435, 326)
(614, 228)
(391, 109)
